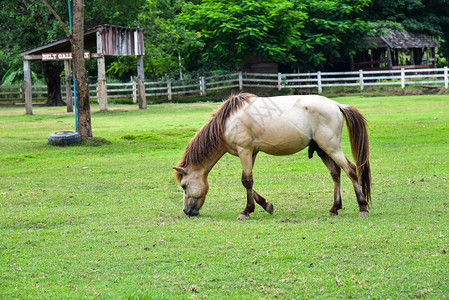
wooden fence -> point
(14, 93)
(315, 82)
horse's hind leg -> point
(335, 172)
(350, 169)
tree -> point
(331, 31)
(233, 30)
(165, 39)
(52, 74)
(302, 34)
(79, 70)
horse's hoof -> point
(333, 214)
(242, 217)
(364, 214)
(269, 208)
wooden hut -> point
(258, 64)
(104, 40)
(396, 49)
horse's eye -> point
(183, 187)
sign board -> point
(61, 56)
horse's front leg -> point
(247, 181)
(259, 199)
(247, 159)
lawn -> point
(104, 219)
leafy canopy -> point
(297, 32)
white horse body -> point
(285, 125)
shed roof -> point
(116, 40)
(401, 40)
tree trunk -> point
(79, 70)
(53, 80)
(446, 36)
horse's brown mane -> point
(211, 135)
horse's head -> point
(195, 188)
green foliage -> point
(113, 12)
(305, 34)
(332, 29)
(165, 37)
(14, 76)
(425, 15)
(121, 66)
(32, 22)
(105, 219)
(233, 30)
(10, 77)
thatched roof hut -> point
(396, 49)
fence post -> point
(361, 79)
(446, 79)
(169, 90)
(141, 92)
(279, 81)
(22, 93)
(240, 81)
(134, 92)
(403, 78)
(202, 86)
(320, 88)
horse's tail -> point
(358, 136)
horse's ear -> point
(181, 170)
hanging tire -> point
(63, 138)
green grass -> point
(104, 219)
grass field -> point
(104, 219)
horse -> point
(246, 124)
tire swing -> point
(64, 138)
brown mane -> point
(211, 135)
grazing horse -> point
(246, 124)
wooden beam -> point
(142, 99)
(32, 57)
(390, 61)
(68, 89)
(40, 56)
(102, 89)
(28, 94)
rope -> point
(73, 67)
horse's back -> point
(284, 125)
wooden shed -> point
(396, 49)
(104, 40)
(258, 64)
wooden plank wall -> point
(118, 41)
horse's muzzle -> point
(190, 212)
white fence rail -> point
(318, 81)
(203, 85)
